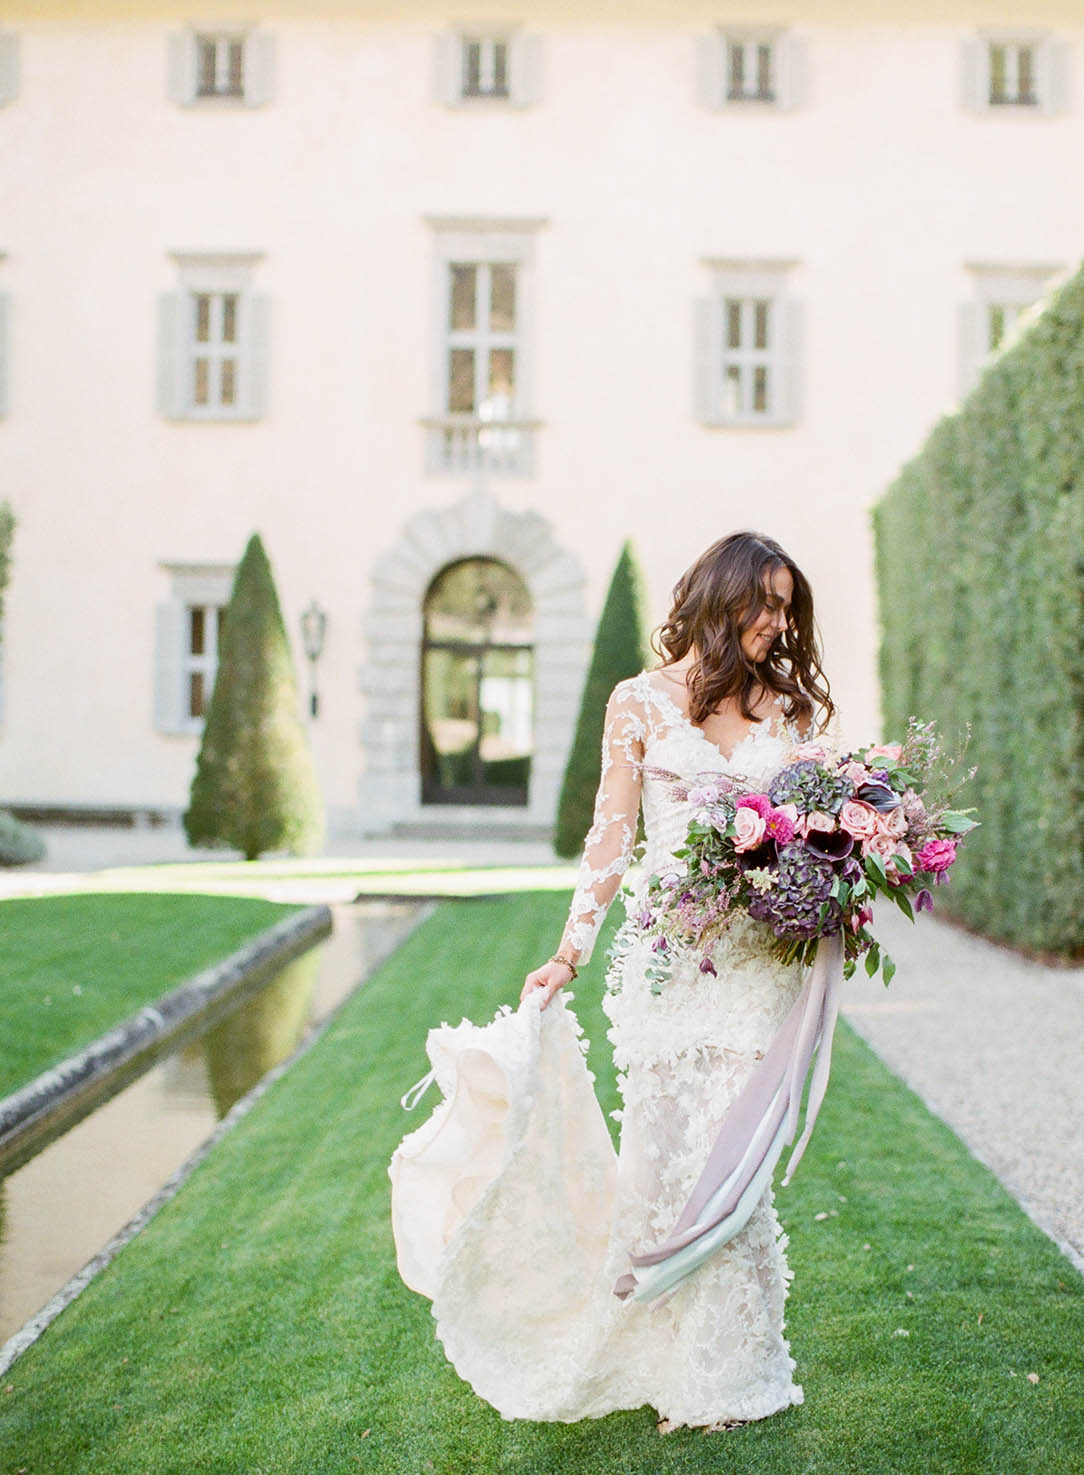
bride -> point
(509, 1208)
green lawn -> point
(71, 967)
(258, 1326)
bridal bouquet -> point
(809, 854)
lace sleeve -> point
(608, 847)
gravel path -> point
(994, 1044)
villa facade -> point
(446, 302)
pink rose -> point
(893, 823)
(749, 828)
(790, 811)
(758, 802)
(858, 773)
(859, 819)
(816, 819)
(936, 855)
(891, 751)
(888, 849)
(817, 752)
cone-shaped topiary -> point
(255, 786)
(620, 651)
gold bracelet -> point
(570, 966)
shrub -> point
(980, 571)
(255, 786)
(619, 652)
(19, 844)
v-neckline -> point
(686, 720)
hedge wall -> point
(980, 571)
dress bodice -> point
(648, 743)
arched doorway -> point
(477, 685)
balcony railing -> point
(458, 444)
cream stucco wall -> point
(880, 190)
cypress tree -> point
(620, 651)
(255, 786)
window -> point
(1015, 72)
(212, 341)
(1002, 296)
(9, 67)
(487, 65)
(477, 716)
(481, 394)
(188, 638)
(228, 64)
(220, 66)
(751, 66)
(747, 347)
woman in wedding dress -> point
(509, 1208)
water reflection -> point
(248, 1043)
(63, 1206)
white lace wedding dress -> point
(509, 1207)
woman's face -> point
(772, 620)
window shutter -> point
(448, 67)
(259, 67)
(975, 75)
(707, 369)
(169, 636)
(1054, 77)
(254, 386)
(5, 350)
(169, 377)
(787, 364)
(792, 71)
(181, 68)
(9, 67)
(525, 58)
(710, 70)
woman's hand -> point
(549, 978)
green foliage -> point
(620, 651)
(980, 570)
(255, 785)
(258, 1323)
(7, 534)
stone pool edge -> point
(30, 1331)
(38, 1112)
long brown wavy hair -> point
(714, 603)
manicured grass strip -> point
(71, 967)
(259, 1324)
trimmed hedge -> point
(255, 786)
(980, 572)
(620, 651)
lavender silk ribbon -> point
(762, 1120)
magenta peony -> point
(936, 855)
(759, 802)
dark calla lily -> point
(836, 845)
(879, 797)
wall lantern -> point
(313, 630)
